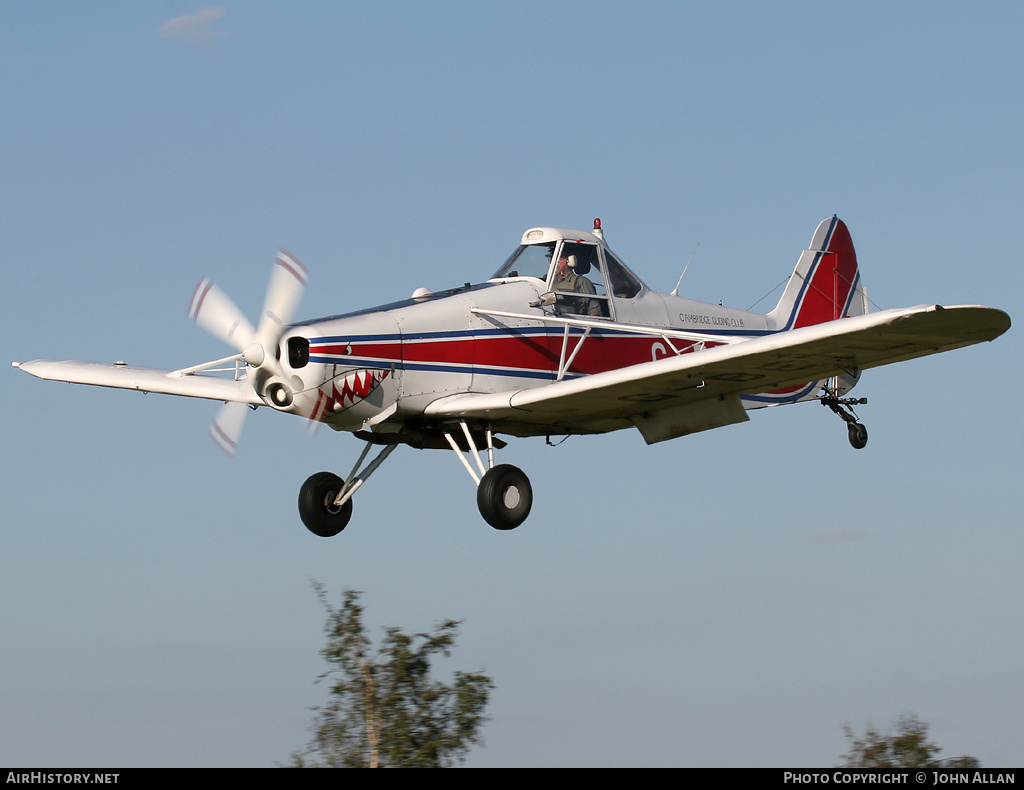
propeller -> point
(214, 311)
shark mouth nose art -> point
(346, 391)
(356, 385)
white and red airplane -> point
(563, 339)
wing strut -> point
(563, 363)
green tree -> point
(385, 709)
(908, 747)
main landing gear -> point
(856, 432)
(504, 495)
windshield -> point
(530, 260)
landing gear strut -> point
(325, 500)
(856, 432)
(503, 493)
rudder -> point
(826, 283)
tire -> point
(858, 435)
(316, 508)
(504, 497)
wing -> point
(692, 392)
(168, 382)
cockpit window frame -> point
(600, 295)
(506, 269)
(629, 286)
(611, 278)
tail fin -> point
(826, 283)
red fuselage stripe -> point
(536, 353)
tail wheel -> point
(317, 508)
(858, 435)
(504, 497)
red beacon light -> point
(597, 228)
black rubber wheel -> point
(316, 505)
(858, 435)
(504, 497)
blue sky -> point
(727, 599)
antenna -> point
(675, 291)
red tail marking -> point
(833, 278)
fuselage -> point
(525, 327)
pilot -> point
(566, 279)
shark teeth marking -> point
(355, 386)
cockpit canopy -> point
(575, 263)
